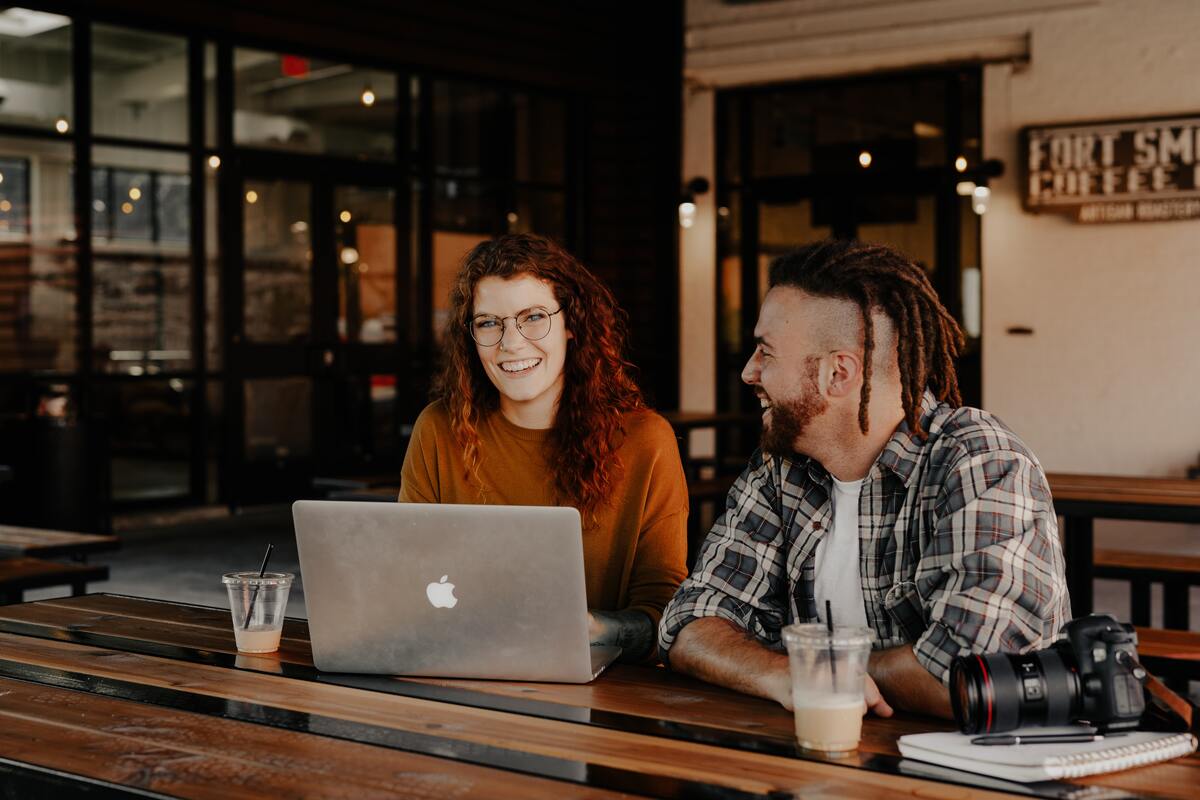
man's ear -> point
(845, 373)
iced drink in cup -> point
(257, 604)
(829, 671)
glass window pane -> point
(448, 251)
(541, 138)
(37, 256)
(366, 422)
(172, 208)
(278, 418)
(466, 206)
(35, 69)
(278, 260)
(133, 204)
(783, 227)
(471, 132)
(149, 436)
(539, 211)
(824, 128)
(139, 84)
(365, 234)
(464, 214)
(309, 105)
(905, 222)
(141, 302)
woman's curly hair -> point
(598, 390)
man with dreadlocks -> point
(873, 490)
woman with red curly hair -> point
(535, 406)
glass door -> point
(314, 344)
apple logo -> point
(441, 594)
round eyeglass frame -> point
(516, 323)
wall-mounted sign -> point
(1142, 170)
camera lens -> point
(999, 691)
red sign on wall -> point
(293, 66)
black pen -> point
(1038, 738)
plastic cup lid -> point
(815, 634)
(251, 578)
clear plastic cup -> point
(829, 673)
(257, 605)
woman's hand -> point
(597, 630)
(632, 631)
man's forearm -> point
(632, 631)
(908, 685)
(716, 651)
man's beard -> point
(790, 418)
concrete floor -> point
(184, 562)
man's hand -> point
(875, 701)
(907, 684)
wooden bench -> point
(44, 543)
(1173, 656)
(19, 574)
(1176, 574)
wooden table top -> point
(1119, 489)
(42, 543)
(154, 695)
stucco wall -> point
(1110, 380)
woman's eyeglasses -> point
(533, 323)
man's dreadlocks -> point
(877, 277)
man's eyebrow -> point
(761, 341)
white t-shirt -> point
(837, 575)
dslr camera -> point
(1092, 676)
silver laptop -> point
(453, 591)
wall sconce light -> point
(979, 199)
(687, 203)
(977, 187)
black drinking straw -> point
(254, 595)
(829, 627)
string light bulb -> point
(61, 125)
(368, 96)
(865, 159)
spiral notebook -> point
(1026, 763)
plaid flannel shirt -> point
(958, 541)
